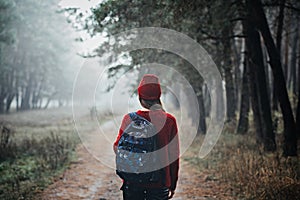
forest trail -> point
(87, 178)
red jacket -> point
(167, 131)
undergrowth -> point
(247, 171)
(28, 164)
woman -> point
(149, 92)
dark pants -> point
(138, 193)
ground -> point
(88, 178)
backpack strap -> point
(133, 115)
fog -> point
(51, 66)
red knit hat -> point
(149, 87)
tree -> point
(298, 117)
(298, 106)
(7, 37)
(292, 72)
(207, 22)
(256, 66)
(243, 122)
(258, 16)
(32, 64)
(216, 25)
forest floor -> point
(235, 169)
(88, 178)
(226, 173)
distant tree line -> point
(254, 43)
(34, 42)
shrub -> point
(27, 164)
(7, 147)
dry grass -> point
(28, 162)
(254, 174)
(246, 170)
(36, 146)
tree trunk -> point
(257, 14)
(236, 47)
(280, 25)
(207, 101)
(202, 122)
(17, 101)
(48, 102)
(266, 66)
(2, 104)
(298, 116)
(9, 100)
(292, 75)
(298, 106)
(255, 105)
(286, 52)
(278, 45)
(27, 93)
(258, 71)
(176, 99)
(3, 91)
(25, 101)
(11, 84)
(230, 97)
(229, 81)
(253, 88)
(243, 123)
(297, 80)
(50, 98)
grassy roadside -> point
(247, 171)
(31, 156)
(36, 147)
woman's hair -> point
(152, 104)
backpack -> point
(133, 157)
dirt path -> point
(87, 178)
